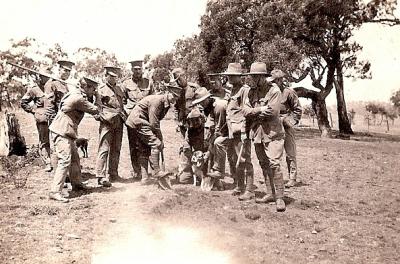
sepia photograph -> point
(199, 131)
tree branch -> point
(386, 21)
(306, 93)
(291, 78)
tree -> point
(373, 109)
(317, 33)
(91, 62)
(27, 52)
(190, 55)
(395, 99)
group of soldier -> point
(221, 121)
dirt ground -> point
(346, 210)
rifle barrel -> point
(39, 73)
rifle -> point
(39, 73)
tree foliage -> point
(309, 37)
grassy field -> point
(347, 210)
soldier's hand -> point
(161, 146)
(247, 111)
(243, 137)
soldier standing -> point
(55, 90)
(36, 95)
(237, 145)
(290, 114)
(135, 89)
(64, 129)
(145, 120)
(193, 136)
(110, 99)
(261, 109)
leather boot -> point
(239, 189)
(144, 164)
(280, 188)
(269, 183)
(248, 194)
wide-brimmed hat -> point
(234, 68)
(200, 95)
(258, 68)
(276, 74)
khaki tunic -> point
(64, 129)
(134, 91)
(193, 137)
(55, 91)
(110, 101)
(232, 142)
(290, 114)
(36, 95)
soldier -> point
(110, 99)
(261, 110)
(216, 85)
(36, 95)
(193, 136)
(237, 145)
(145, 120)
(55, 90)
(290, 114)
(135, 89)
(213, 108)
(64, 129)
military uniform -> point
(55, 91)
(232, 142)
(36, 95)
(193, 135)
(261, 109)
(64, 129)
(134, 91)
(290, 114)
(110, 101)
(145, 119)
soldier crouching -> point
(145, 120)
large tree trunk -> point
(11, 140)
(343, 119)
(321, 112)
(319, 106)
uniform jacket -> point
(55, 91)
(183, 105)
(266, 125)
(36, 95)
(234, 116)
(217, 119)
(111, 101)
(73, 106)
(290, 111)
(135, 91)
(149, 111)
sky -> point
(133, 28)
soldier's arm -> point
(84, 105)
(51, 105)
(26, 99)
(273, 106)
(295, 107)
(154, 113)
